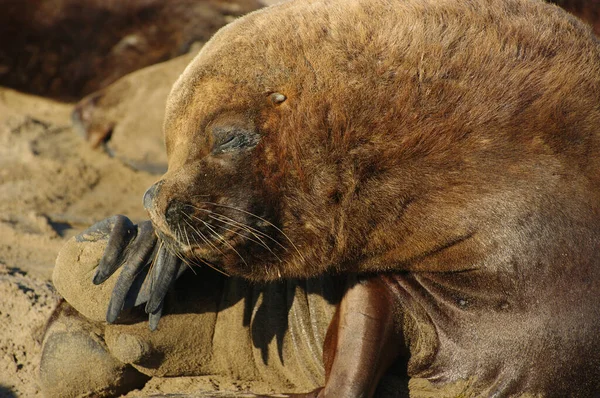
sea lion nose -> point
(149, 196)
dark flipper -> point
(165, 271)
(162, 276)
(134, 248)
(122, 231)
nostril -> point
(149, 196)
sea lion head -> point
(222, 200)
(306, 138)
(252, 184)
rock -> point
(74, 271)
(76, 362)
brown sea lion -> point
(66, 49)
(444, 151)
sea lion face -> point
(223, 198)
(213, 205)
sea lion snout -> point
(149, 195)
(157, 202)
(198, 215)
(177, 213)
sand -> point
(52, 185)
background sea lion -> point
(63, 49)
(588, 11)
(466, 191)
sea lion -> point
(446, 152)
(62, 49)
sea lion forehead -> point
(264, 48)
(325, 34)
(235, 55)
(333, 47)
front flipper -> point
(148, 268)
(363, 339)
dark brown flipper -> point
(362, 341)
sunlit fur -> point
(434, 135)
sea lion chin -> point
(445, 151)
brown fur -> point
(453, 144)
(66, 49)
(389, 134)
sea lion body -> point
(444, 151)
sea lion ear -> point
(277, 98)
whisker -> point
(240, 224)
(259, 241)
(183, 233)
(213, 267)
(207, 225)
(175, 252)
(262, 219)
(235, 223)
(215, 217)
(201, 235)
(201, 259)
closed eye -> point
(230, 139)
(232, 143)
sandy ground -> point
(52, 185)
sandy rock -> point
(211, 326)
(25, 307)
(73, 273)
(75, 361)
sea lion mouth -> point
(217, 233)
